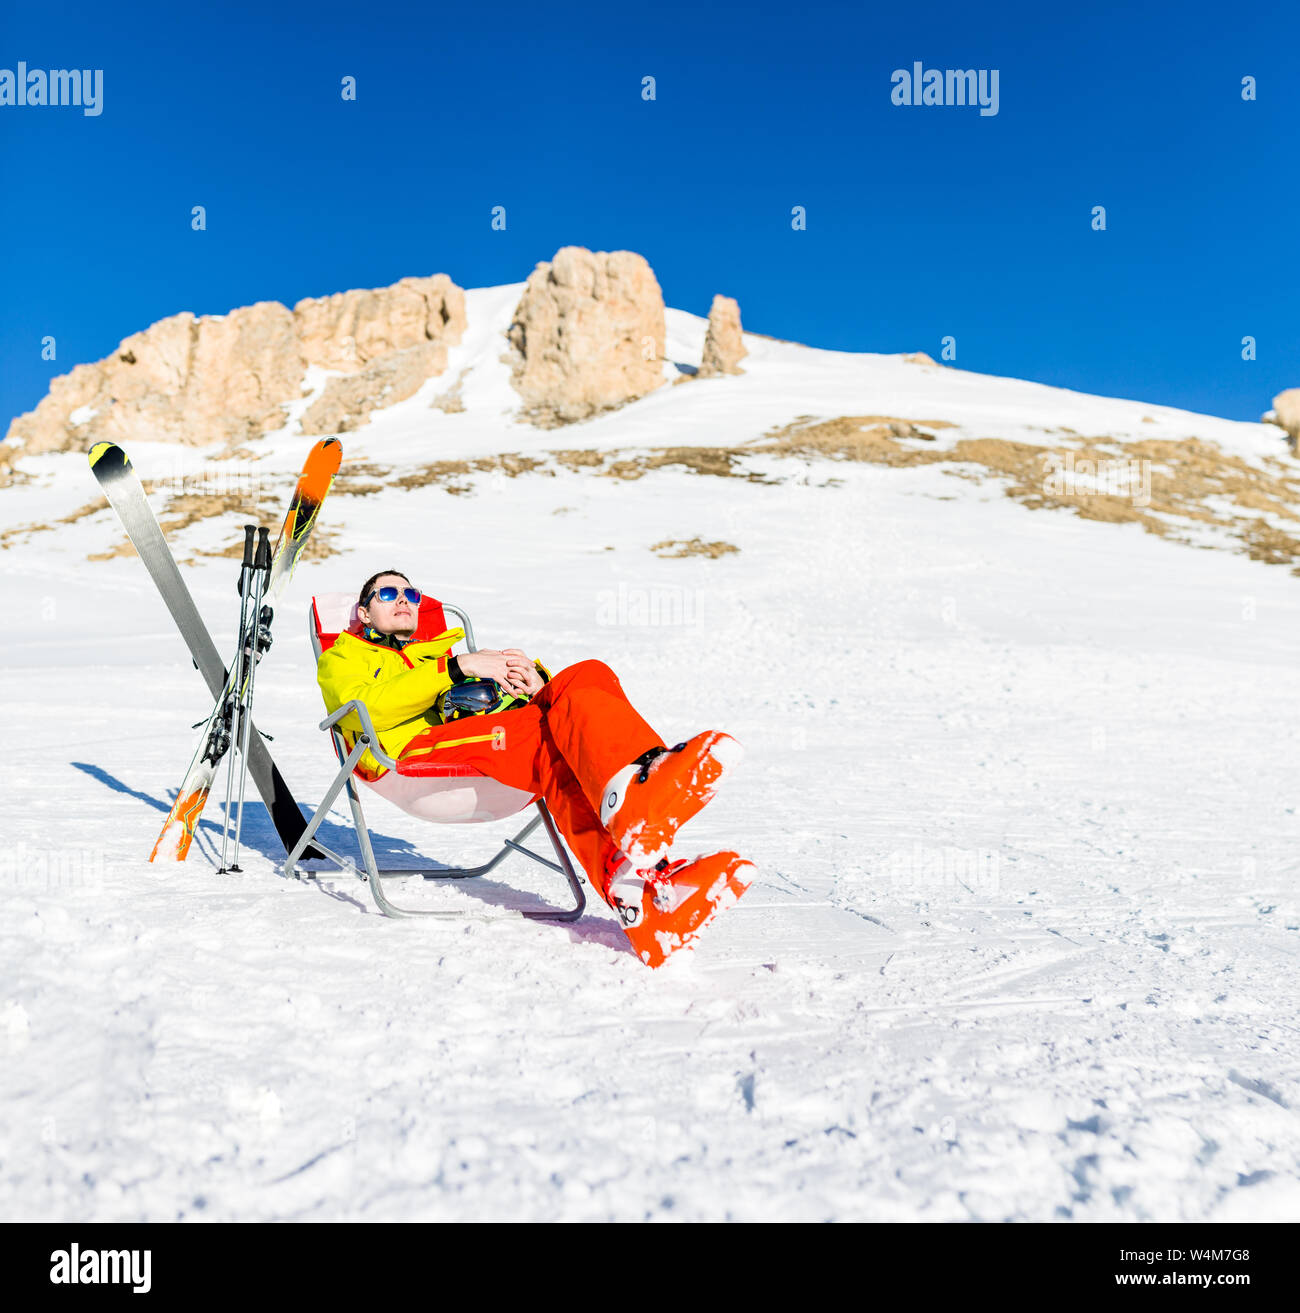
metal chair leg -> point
(375, 876)
(547, 913)
(343, 777)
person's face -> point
(397, 617)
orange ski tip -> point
(322, 465)
(313, 486)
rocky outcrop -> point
(183, 380)
(346, 402)
(587, 335)
(1286, 412)
(228, 378)
(350, 329)
(724, 348)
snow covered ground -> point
(1022, 791)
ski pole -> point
(261, 574)
(246, 567)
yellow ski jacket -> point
(398, 686)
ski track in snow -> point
(1022, 945)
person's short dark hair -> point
(368, 587)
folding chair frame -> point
(373, 874)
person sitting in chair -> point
(617, 793)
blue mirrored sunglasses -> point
(389, 594)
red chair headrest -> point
(336, 613)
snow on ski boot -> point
(665, 907)
(646, 803)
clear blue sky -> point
(922, 222)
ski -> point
(313, 485)
(115, 475)
(182, 821)
(318, 472)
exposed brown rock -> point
(346, 402)
(184, 379)
(1192, 482)
(349, 329)
(724, 348)
(227, 378)
(451, 402)
(1286, 412)
(677, 547)
(588, 335)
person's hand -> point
(511, 669)
(527, 675)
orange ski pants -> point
(578, 730)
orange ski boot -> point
(665, 908)
(647, 802)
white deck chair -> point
(450, 794)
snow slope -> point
(1021, 789)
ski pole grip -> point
(263, 548)
(249, 531)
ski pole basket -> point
(445, 793)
